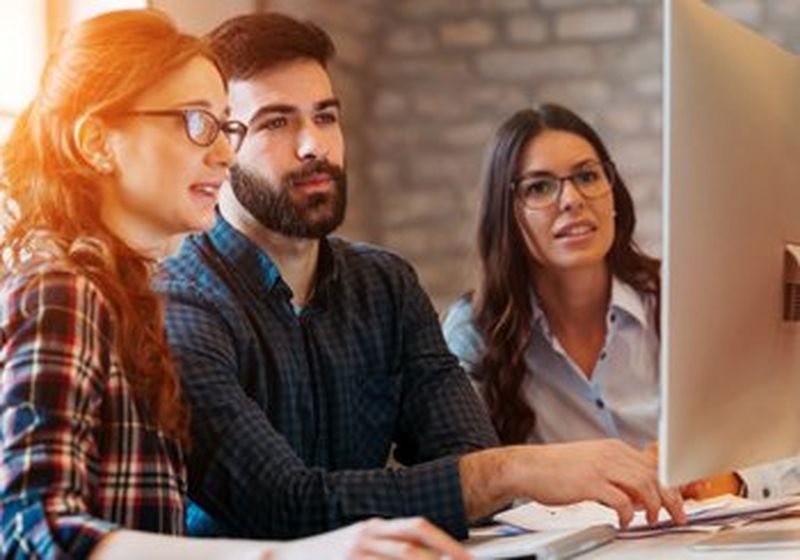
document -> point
(707, 515)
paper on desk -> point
(537, 517)
(707, 515)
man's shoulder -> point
(189, 273)
(358, 257)
(185, 263)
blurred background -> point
(424, 83)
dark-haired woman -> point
(561, 336)
(124, 146)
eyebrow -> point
(328, 103)
(575, 166)
(285, 108)
(202, 103)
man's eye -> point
(326, 118)
(273, 123)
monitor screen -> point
(730, 363)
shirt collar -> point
(257, 268)
(624, 298)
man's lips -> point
(316, 180)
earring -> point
(103, 166)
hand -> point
(607, 471)
(728, 483)
(408, 539)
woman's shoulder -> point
(641, 305)
(50, 285)
(459, 316)
(462, 335)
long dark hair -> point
(502, 303)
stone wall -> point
(425, 82)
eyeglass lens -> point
(539, 191)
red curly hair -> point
(52, 194)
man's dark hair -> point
(249, 44)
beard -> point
(286, 209)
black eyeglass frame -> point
(607, 168)
(235, 131)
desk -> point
(670, 547)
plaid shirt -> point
(79, 459)
(295, 413)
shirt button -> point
(600, 404)
(765, 492)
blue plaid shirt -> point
(295, 413)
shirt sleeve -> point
(462, 337)
(770, 480)
(441, 412)
(244, 472)
(53, 352)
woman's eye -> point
(539, 188)
(196, 124)
(586, 177)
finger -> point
(358, 555)
(650, 500)
(641, 485)
(390, 549)
(617, 500)
(419, 531)
(672, 500)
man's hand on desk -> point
(606, 471)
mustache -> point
(314, 167)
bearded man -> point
(308, 360)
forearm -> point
(133, 545)
(487, 481)
(255, 484)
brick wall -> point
(425, 82)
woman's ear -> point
(91, 138)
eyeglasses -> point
(540, 190)
(201, 126)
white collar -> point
(624, 298)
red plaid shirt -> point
(79, 459)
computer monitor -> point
(730, 363)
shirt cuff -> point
(758, 483)
(28, 532)
(433, 490)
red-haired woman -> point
(124, 147)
